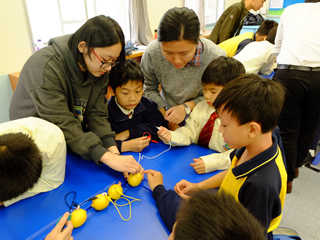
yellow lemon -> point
(134, 179)
(115, 191)
(100, 203)
(78, 217)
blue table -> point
(34, 218)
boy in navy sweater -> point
(133, 117)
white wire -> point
(141, 157)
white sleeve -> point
(188, 134)
(217, 161)
(51, 143)
(268, 67)
(278, 39)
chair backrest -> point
(282, 233)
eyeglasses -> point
(106, 64)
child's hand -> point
(175, 114)
(173, 126)
(185, 188)
(58, 233)
(155, 178)
(164, 134)
(198, 165)
(123, 135)
(135, 145)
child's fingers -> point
(62, 221)
(184, 196)
(150, 171)
(126, 175)
(68, 229)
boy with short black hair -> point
(218, 73)
(32, 158)
(225, 218)
(132, 116)
(257, 57)
(249, 108)
(234, 45)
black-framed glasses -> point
(106, 64)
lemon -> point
(134, 179)
(115, 191)
(78, 217)
(100, 203)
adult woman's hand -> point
(121, 163)
(175, 114)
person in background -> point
(234, 45)
(204, 117)
(257, 57)
(231, 21)
(176, 62)
(298, 69)
(66, 82)
(32, 159)
(312, 153)
(133, 117)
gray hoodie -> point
(52, 87)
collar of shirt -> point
(18, 129)
(128, 112)
(197, 58)
(254, 164)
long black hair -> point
(99, 31)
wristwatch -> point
(186, 109)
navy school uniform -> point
(146, 118)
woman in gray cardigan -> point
(176, 61)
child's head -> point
(264, 29)
(20, 165)
(254, 4)
(218, 73)
(127, 87)
(272, 34)
(219, 216)
(247, 102)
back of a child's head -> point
(132, 72)
(250, 98)
(272, 34)
(20, 165)
(218, 216)
(222, 70)
(266, 26)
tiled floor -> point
(302, 207)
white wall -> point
(157, 8)
(14, 39)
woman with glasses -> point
(66, 83)
(176, 61)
